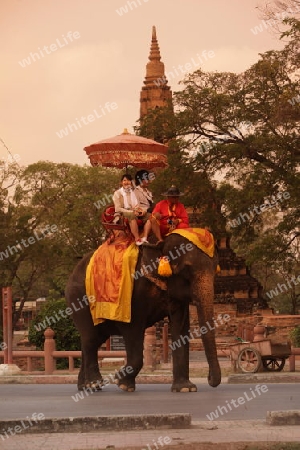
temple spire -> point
(154, 49)
(154, 33)
(155, 69)
(155, 92)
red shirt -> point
(168, 212)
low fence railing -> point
(50, 355)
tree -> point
(241, 131)
(50, 219)
(9, 178)
(53, 313)
(280, 15)
(201, 194)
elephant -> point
(153, 298)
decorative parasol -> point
(127, 150)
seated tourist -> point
(126, 203)
(170, 213)
(145, 199)
(142, 192)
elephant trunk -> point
(203, 295)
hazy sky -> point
(50, 78)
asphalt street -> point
(18, 401)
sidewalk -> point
(225, 432)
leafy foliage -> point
(295, 336)
(66, 336)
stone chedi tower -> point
(155, 93)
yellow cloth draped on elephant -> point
(109, 280)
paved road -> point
(20, 401)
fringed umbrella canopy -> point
(127, 150)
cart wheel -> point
(273, 364)
(249, 360)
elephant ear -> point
(149, 264)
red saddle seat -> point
(107, 220)
(108, 214)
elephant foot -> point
(126, 388)
(93, 386)
(125, 384)
(215, 379)
(183, 386)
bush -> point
(295, 336)
(66, 336)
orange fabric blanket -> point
(201, 237)
(109, 280)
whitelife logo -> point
(19, 246)
(86, 120)
(225, 409)
(132, 5)
(187, 67)
(47, 50)
(12, 431)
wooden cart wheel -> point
(249, 360)
(273, 364)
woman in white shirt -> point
(127, 204)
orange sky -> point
(64, 60)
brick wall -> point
(278, 326)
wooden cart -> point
(250, 357)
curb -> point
(72, 379)
(291, 417)
(266, 377)
(269, 377)
(38, 379)
(95, 424)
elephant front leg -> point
(89, 376)
(125, 377)
(179, 318)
